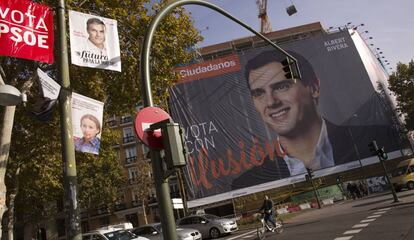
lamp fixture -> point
(11, 96)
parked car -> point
(209, 225)
(154, 232)
(114, 232)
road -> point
(374, 217)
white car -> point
(209, 225)
(116, 232)
(154, 232)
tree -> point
(36, 145)
(402, 84)
(145, 185)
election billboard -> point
(26, 30)
(249, 127)
(94, 41)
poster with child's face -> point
(87, 114)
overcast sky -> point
(390, 23)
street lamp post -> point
(9, 97)
(357, 152)
(161, 184)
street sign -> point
(177, 203)
(144, 119)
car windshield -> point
(211, 217)
(119, 235)
(399, 171)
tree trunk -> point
(144, 211)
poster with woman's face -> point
(87, 115)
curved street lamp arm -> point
(145, 53)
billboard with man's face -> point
(249, 127)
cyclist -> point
(267, 207)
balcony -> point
(130, 160)
(120, 206)
(100, 211)
(175, 195)
(132, 180)
(125, 120)
(136, 203)
(112, 123)
(128, 139)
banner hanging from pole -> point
(94, 41)
(26, 30)
(87, 114)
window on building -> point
(104, 221)
(130, 154)
(128, 135)
(133, 174)
(126, 119)
(145, 151)
(60, 225)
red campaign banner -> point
(26, 30)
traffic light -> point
(291, 69)
(382, 154)
(373, 148)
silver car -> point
(209, 225)
(154, 232)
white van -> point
(403, 175)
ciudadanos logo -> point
(207, 69)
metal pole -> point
(394, 194)
(358, 156)
(316, 194)
(163, 197)
(182, 191)
(73, 231)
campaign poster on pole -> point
(26, 30)
(94, 41)
(50, 88)
(87, 114)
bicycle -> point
(265, 227)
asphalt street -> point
(373, 217)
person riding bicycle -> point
(267, 207)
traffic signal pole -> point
(315, 193)
(382, 155)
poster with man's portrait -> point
(87, 114)
(94, 41)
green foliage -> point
(36, 146)
(402, 84)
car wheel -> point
(410, 185)
(214, 233)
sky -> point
(390, 23)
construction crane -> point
(265, 25)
